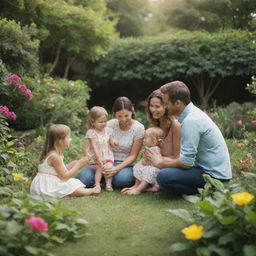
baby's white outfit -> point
(147, 173)
(47, 184)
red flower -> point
(37, 223)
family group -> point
(181, 144)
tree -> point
(130, 15)
(67, 29)
(209, 15)
(18, 48)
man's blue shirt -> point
(202, 143)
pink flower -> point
(22, 87)
(28, 94)
(239, 122)
(13, 79)
(37, 223)
(7, 113)
(25, 90)
(253, 122)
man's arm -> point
(160, 162)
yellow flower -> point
(242, 198)
(193, 232)
(17, 176)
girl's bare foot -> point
(109, 187)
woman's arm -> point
(63, 173)
(135, 149)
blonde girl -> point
(99, 144)
(54, 179)
(145, 173)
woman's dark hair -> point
(153, 122)
(123, 103)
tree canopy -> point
(67, 29)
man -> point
(203, 148)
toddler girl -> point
(145, 173)
(99, 144)
(54, 179)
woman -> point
(128, 134)
(158, 116)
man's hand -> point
(153, 157)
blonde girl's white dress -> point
(146, 173)
(47, 184)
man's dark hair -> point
(176, 90)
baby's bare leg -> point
(137, 183)
(139, 189)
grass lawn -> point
(122, 225)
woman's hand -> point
(153, 157)
(109, 172)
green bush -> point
(18, 238)
(202, 58)
(252, 86)
(235, 119)
(19, 48)
(226, 217)
(54, 101)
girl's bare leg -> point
(139, 189)
(98, 176)
(124, 190)
(109, 183)
(85, 192)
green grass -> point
(121, 225)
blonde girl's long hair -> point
(54, 134)
(153, 122)
(94, 114)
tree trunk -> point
(68, 65)
(53, 66)
(205, 93)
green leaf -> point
(252, 217)
(61, 226)
(178, 247)
(32, 250)
(227, 238)
(228, 220)
(212, 233)
(81, 221)
(182, 213)
(206, 206)
(222, 252)
(249, 250)
(191, 199)
(13, 227)
(203, 251)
